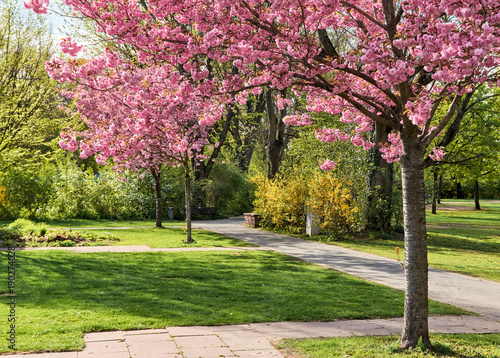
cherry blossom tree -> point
(403, 61)
(138, 118)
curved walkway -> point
(254, 340)
(473, 294)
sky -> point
(58, 22)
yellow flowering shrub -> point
(331, 200)
(282, 202)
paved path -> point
(474, 294)
(254, 340)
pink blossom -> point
(69, 47)
(438, 154)
(327, 165)
(392, 151)
(281, 102)
(38, 6)
(298, 120)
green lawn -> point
(173, 237)
(445, 345)
(61, 295)
(464, 241)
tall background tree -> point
(29, 114)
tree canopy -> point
(29, 117)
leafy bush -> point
(281, 202)
(24, 191)
(28, 227)
(331, 200)
(103, 195)
(227, 190)
(28, 233)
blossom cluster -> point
(403, 66)
(139, 118)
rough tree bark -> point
(245, 146)
(415, 324)
(460, 194)
(380, 181)
(202, 169)
(440, 187)
(276, 136)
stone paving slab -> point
(104, 336)
(212, 352)
(268, 353)
(247, 340)
(112, 346)
(205, 341)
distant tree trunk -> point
(201, 169)
(187, 185)
(415, 322)
(476, 195)
(380, 181)
(440, 187)
(276, 135)
(434, 192)
(159, 205)
(460, 194)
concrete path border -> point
(247, 340)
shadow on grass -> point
(444, 240)
(198, 289)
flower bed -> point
(27, 233)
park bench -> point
(203, 211)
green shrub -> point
(24, 191)
(28, 227)
(18, 224)
(56, 237)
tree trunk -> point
(440, 187)
(202, 169)
(380, 181)
(159, 205)
(476, 195)
(434, 193)
(187, 183)
(276, 135)
(460, 195)
(415, 323)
